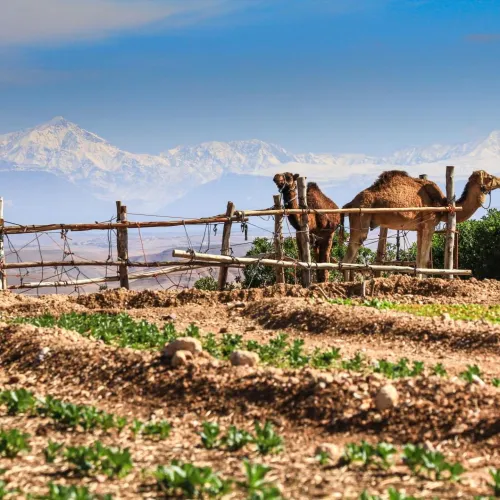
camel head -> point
(486, 181)
(286, 182)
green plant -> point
(256, 484)
(393, 494)
(51, 451)
(18, 401)
(266, 439)
(62, 492)
(210, 435)
(433, 462)
(367, 454)
(160, 429)
(495, 382)
(471, 373)
(324, 359)
(399, 369)
(235, 439)
(207, 283)
(378, 304)
(13, 442)
(495, 475)
(354, 364)
(323, 458)
(439, 369)
(190, 481)
(295, 355)
(113, 462)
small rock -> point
(332, 450)
(327, 378)
(320, 386)
(181, 358)
(244, 358)
(445, 317)
(235, 305)
(170, 317)
(224, 329)
(479, 381)
(387, 398)
(44, 352)
(182, 344)
(250, 329)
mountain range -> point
(86, 165)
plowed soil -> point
(307, 406)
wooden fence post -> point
(303, 241)
(451, 225)
(3, 275)
(122, 245)
(381, 249)
(225, 247)
(278, 239)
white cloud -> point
(24, 22)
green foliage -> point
(62, 492)
(399, 369)
(392, 493)
(207, 283)
(13, 442)
(190, 481)
(210, 435)
(160, 430)
(266, 439)
(97, 458)
(367, 454)
(355, 364)
(495, 382)
(120, 329)
(323, 457)
(432, 462)
(18, 401)
(495, 476)
(296, 356)
(471, 372)
(51, 452)
(235, 439)
(256, 484)
(439, 369)
(478, 246)
(325, 359)
(378, 304)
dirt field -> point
(307, 406)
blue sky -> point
(312, 75)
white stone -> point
(387, 397)
(244, 358)
(182, 344)
(330, 449)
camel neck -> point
(471, 199)
(291, 201)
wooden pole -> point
(451, 225)
(205, 257)
(3, 275)
(303, 241)
(225, 247)
(381, 249)
(278, 239)
(122, 245)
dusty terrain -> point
(460, 419)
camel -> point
(396, 188)
(321, 226)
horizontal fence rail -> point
(313, 265)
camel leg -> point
(325, 249)
(426, 244)
(359, 226)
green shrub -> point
(433, 463)
(207, 283)
(190, 481)
(13, 442)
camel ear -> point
(296, 176)
(481, 177)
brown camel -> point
(396, 188)
(321, 226)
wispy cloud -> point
(483, 37)
(24, 22)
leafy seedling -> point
(495, 476)
(18, 401)
(236, 439)
(13, 442)
(52, 451)
(256, 484)
(266, 439)
(210, 435)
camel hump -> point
(390, 175)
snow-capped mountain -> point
(88, 161)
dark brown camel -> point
(321, 226)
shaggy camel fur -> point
(321, 226)
(397, 189)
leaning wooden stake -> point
(304, 231)
(226, 247)
(451, 225)
(122, 245)
(381, 249)
(3, 276)
(278, 239)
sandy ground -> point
(461, 420)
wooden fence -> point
(192, 260)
